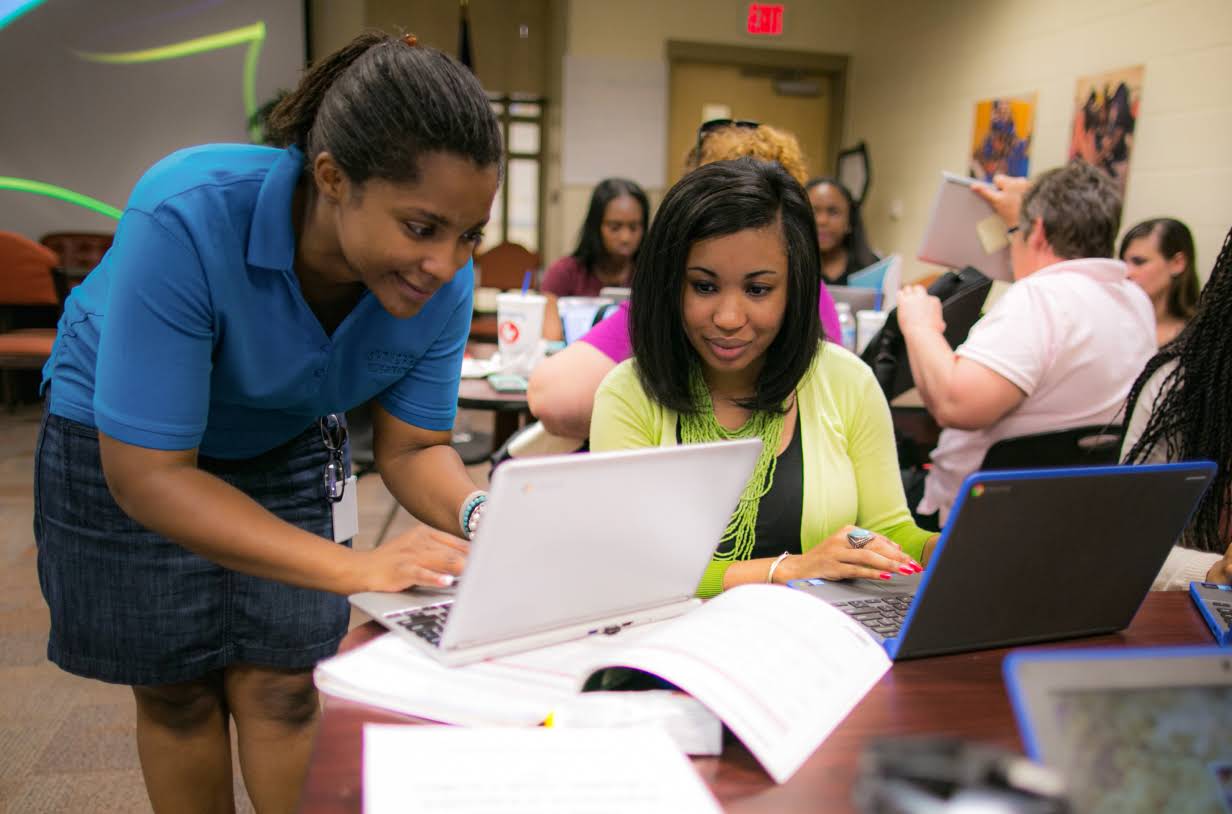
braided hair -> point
(1192, 415)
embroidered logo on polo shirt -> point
(390, 363)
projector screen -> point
(93, 93)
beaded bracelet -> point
(468, 514)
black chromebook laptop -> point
(1031, 555)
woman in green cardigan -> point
(727, 344)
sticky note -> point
(992, 234)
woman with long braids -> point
(727, 344)
(1180, 409)
(190, 480)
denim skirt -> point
(132, 607)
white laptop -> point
(1132, 730)
(577, 545)
(963, 230)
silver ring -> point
(858, 537)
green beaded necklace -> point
(701, 426)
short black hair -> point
(590, 250)
(720, 199)
(380, 103)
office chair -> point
(504, 266)
(1096, 445)
(533, 440)
(29, 306)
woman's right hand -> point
(834, 558)
(422, 556)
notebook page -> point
(528, 771)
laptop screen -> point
(1145, 749)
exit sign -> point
(765, 18)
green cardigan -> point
(850, 463)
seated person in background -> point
(1058, 350)
(562, 387)
(1160, 256)
(607, 246)
(840, 231)
(727, 344)
(1179, 410)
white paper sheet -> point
(781, 668)
(390, 673)
(528, 771)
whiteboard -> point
(614, 120)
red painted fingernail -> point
(907, 570)
(883, 575)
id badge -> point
(346, 512)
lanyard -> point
(334, 434)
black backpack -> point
(962, 295)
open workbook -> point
(779, 667)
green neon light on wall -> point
(252, 35)
(60, 193)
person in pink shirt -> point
(1059, 349)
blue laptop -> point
(1214, 602)
(1131, 730)
(1029, 556)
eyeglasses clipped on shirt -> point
(718, 124)
(334, 436)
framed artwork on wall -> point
(1105, 115)
(1001, 137)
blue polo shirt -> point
(193, 332)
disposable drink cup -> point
(577, 314)
(868, 323)
(519, 329)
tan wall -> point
(920, 67)
(333, 25)
(505, 60)
(917, 68)
(640, 30)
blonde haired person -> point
(730, 140)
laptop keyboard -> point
(882, 615)
(428, 622)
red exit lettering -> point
(765, 18)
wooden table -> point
(478, 394)
(960, 695)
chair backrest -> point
(962, 296)
(79, 251)
(1097, 445)
(504, 265)
(25, 271)
(533, 440)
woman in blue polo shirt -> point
(190, 484)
